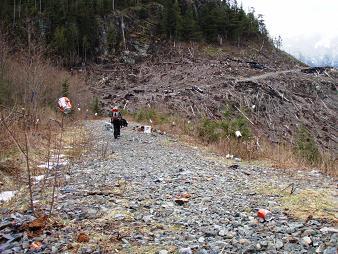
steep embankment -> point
(268, 86)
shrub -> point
(306, 146)
(209, 131)
(240, 124)
(147, 114)
(96, 106)
(65, 88)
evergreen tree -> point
(65, 88)
(190, 28)
(172, 22)
(112, 37)
(70, 27)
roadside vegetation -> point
(219, 135)
(33, 129)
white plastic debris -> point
(53, 165)
(253, 106)
(229, 156)
(65, 105)
(238, 134)
(151, 121)
(79, 109)
(147, 129)
(56, 156)
(7, 195)
(95, 114)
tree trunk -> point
(14, 13)
(123, 35)
(29, 36)
(29, 172)
(19, 9)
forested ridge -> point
(70, 28)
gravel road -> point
(148, 193)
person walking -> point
(116, 121)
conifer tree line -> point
(70, 27)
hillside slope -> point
(269, 87)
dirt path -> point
(268, 75)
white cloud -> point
(298, 20)
(325, 43)
(295, 17)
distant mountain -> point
(314, 50)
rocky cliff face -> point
(128, 34)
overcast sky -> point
(298, 18)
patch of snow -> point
(38, 178)
(7, 195)
(53, 165)
(55, 156)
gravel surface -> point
(148, 193)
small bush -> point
(151, 114)
(214, 130)
(65, 88)
(306, 146)
(240, 124)
(209, 131)
(96, 106)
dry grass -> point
(75, 141)
(30, 85)
(318, 203)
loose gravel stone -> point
(331, 250)
(185, 251)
